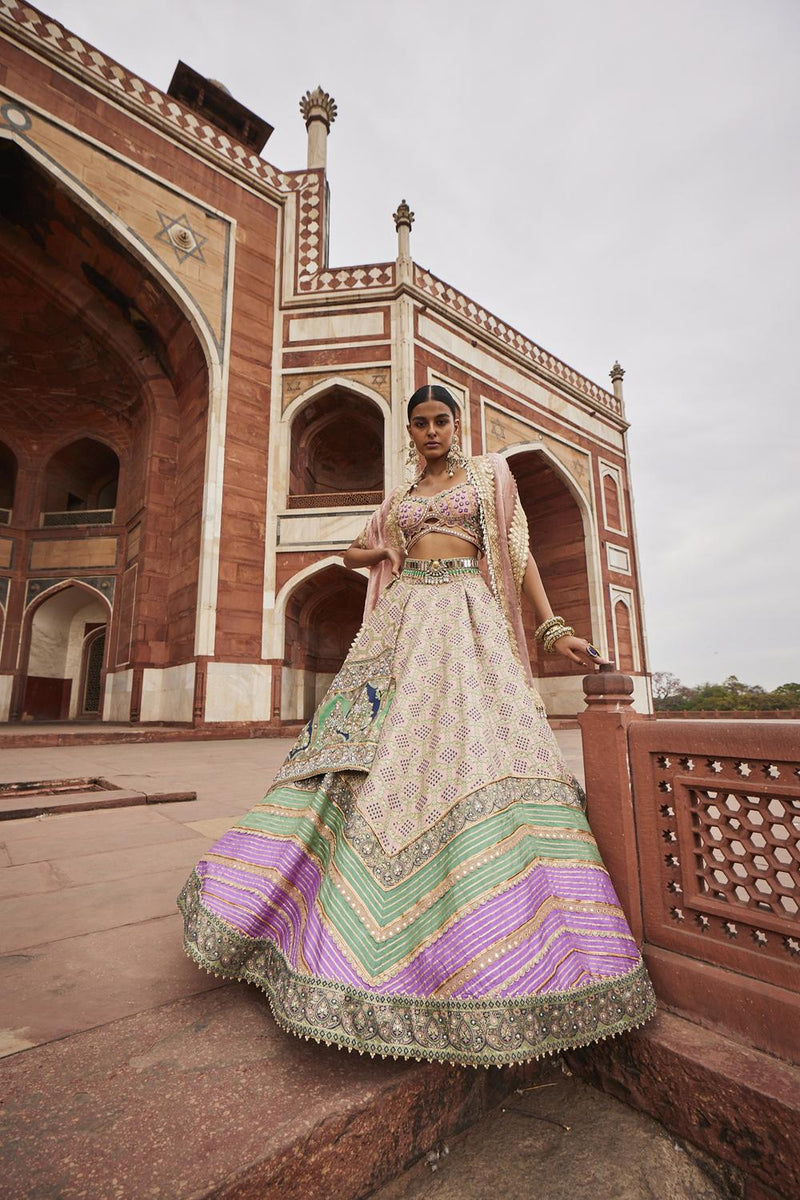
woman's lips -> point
(431, 445)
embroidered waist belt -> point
(438, 570)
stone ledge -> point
(206, 1097)
(736, 1103)
(14, 737)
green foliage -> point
(670, 695)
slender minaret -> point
(617, 374)
(319, 113)
(403, 220)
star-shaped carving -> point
(178, 233)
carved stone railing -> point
(85, 516)
(699, 825)
(334, 500)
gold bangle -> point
(541, 632)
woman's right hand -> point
(396, 558)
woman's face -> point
(432, 428)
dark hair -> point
(432, 391)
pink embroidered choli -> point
(454, 511)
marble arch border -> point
(217, 363)
(321, 388)
(273, 648)
(590, 535)
(29, 612)
(278, 482)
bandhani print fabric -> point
(421, 880)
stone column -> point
(403, 220)
(319, 113)
(604, 731)
(617, 375)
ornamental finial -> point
(318, 106)
(403, 216)
(616, 373)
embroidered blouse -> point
(454, 511)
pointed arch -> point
(51, 660)
(323, 614)
(212, 353)
(323, 386)
(591, 540)
(273, 647)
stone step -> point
(14, 806)
(563, 1140)
(736, 1103)
(206, 1097)
(34, 736)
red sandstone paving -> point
(28, 879)
(27, 921)
(141, 860)
(121, 1051)
(73, 834)
(64, 987)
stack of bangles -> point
(551, 630)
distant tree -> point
(666, 686)
(670, 695)
(787, 695)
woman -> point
(421, 881)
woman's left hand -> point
(580, 651)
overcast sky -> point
(615, 178)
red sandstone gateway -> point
(201, 411)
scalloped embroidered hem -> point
(468, 1033)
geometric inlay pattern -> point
(177, 232)
(729, 852)
(512, 337)
(748, 848)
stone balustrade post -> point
(604, 731)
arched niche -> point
(558, 538)
(337, 450)
(60, 629)
(110, 344)
(81, 477)
(624, 636)
(8, 481)
(322, 616)
(612, 503)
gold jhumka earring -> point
(454, 457)
(413, 471)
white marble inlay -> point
(6, 683)
(618, 559)
(336, 327)
(117, 698)
(492, 369)
(168, 693)
(331, 528)
(238, 691)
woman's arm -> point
(533, 591)
(355, 557)
(569, 646)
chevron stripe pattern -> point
(421, 880)
(509, 939)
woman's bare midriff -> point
(440, 545)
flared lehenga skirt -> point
(421, 881)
